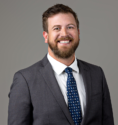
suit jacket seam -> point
(26, 84)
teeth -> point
(64, 41)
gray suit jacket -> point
(36, 99)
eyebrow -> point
(71, 24)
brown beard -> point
(63, 53)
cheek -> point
(74, 34)
(76, 37)
(52, 36)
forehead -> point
(61, 19)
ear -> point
(79, 31)
(79, 34)
(45, 35)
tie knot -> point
(68, 70)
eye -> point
(70, 27)
(56, 28)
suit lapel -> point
(84, 70)
(48, 75)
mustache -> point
(64, 38)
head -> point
(61, 30)
(56, 9)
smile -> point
(64, 42)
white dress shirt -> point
(61, 77)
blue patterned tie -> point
(73, 98)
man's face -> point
(62, 36)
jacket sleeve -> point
(107, 117)
(20, 108)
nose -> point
(64, 32)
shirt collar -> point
(59, 67)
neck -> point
(67, 61)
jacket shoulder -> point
(35, 67)
(88, 66)
(31, 69)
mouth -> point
(64, 41)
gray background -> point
(22, 43)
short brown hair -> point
(58, 8)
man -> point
(60, 89)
